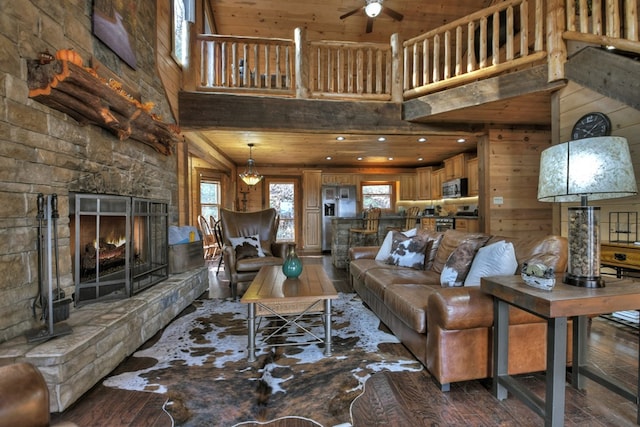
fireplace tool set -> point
(54, 305)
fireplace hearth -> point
(119, 245)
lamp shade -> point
(373, 8)
(250, 176)
(596, 168)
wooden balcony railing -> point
(504, 37)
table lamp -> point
(578, 171)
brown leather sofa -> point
(242, 224)
(24, 397)
(449, 329)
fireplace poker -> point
(54, 219)
(40, 218)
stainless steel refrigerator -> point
(337, 202)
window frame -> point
(391, 195)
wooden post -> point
(189, 70)
(556, 48)
(397, 69)
(302, 63)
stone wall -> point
(45, 151)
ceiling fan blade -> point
(392, 13)
(353, 12)
(369, 25)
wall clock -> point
(591, 125)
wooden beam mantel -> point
(73, 90)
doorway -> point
(283, 196)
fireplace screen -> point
(119, 244)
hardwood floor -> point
(406, 398)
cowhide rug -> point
(203, 370)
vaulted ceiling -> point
(321, 20)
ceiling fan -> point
(371, 9)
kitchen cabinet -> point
(436, 183)
(467, 225)
(339, 179)
(423, 176)
(407, 186)
(428, 223)
(473, 177)
(311, 218)
(456, 166)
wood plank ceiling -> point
(321, 19)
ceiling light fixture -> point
(360, 158)
(328, 158)
(422, 139)
(250, 176)
(461, 140)
(382, 139)
(420, 159)
(340, 138)
(373, 8)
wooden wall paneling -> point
(169, 71)
(512, 159)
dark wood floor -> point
(409, 399)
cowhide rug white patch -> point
(202, 367)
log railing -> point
(344, 69)
(527, 32)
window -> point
(282, 197)
(378, 195)
(180, 30)
(210, 198)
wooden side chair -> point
(411, 216)
(217, 233)
(208, 239)
(369, 226)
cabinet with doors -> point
(473, 177)
(467, 225)
(428, 223)
(339, 179)
(456, 166)
(436, 183)
(423, 179)
(407, 182)
(311, 217)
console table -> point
(621, 256)
(563, 302)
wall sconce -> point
(575, 171)
(250, 176)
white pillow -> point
(497, 259)
(247, 247)
(385, 248)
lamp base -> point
(584, 282)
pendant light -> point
(250, 176)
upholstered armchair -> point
(244, 253)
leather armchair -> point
(264, 223)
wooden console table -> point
(621, 256)
(563, 302)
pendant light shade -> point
(250, 176)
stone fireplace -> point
(119, 245)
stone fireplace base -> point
(103, 335)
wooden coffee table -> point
(271, 294)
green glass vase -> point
(292, 266)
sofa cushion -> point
(457, 266)
(378, 279)
(408, 251)
(496, 259)
(408, 301)
(450, 241)
(385, 248)
(435, 237)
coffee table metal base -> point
(290, 320)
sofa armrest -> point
(229, 258)
(363, 252)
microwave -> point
(454, 188)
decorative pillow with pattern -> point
(247, 247)
(385, 248)
(496, 259)
(459, 262)
(407, 251)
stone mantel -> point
(340, 240)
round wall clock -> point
(591, 125)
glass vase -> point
(292, 266)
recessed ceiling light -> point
(461, 140)
(420, 159)
(382, 139)
(340, 138)
(360, 158)
(328, 157)
(422, 139)
(390, 158)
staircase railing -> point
(507, 36)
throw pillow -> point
(459, 262)
(247, 247)
(407, 251)
(496, 259)
(385, 248)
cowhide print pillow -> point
(457, 266)
(247, 247)
(407, 251)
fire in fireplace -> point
(119, 244)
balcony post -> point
(301, 63)
(397, 69)
(556, 47)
